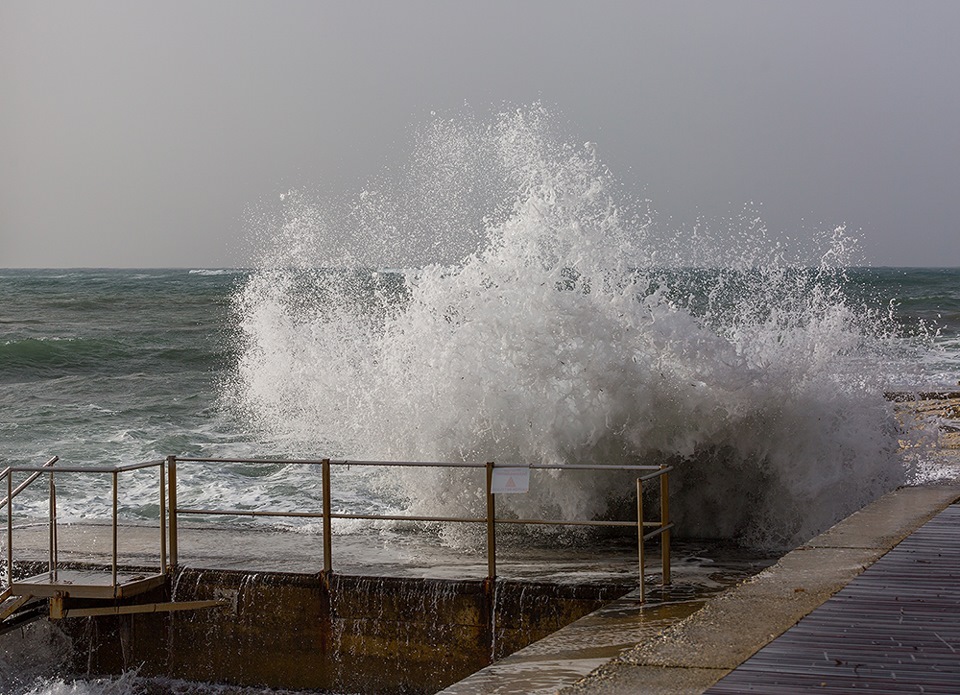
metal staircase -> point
(17, 611)
(63, 592)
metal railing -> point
(7, 474)
(114, 472)
(170, 511)
(657, 528)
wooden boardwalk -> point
(893, 629)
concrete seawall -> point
(356, 634)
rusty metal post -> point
(56, 538)
(9, 528)
(51, 563)
(163, 518)
(172, 485)
(116, 504)
(491, 526)
(665, 524)
(640, 556)
(327, 531)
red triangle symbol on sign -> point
(510, 482)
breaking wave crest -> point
(543, 317)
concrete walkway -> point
(692, 655)
(596, 655)
(892, 629)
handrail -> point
(39, 470)
(123, 468)
(425, 464)
(170, 510)
(661, 527)
(115, 471)
(8, 502)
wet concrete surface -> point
(699, 569)
(388, 554)
(574, 651)
(693, 654)
(684, 645)
(704, 567)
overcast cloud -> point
(137, 134)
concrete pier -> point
(356, 634)
(287, 625)
(626, 648)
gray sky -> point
(137, 134)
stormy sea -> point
(505, 298)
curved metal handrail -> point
(26, 483)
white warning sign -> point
(510, 480)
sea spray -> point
(570, 332)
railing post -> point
(491, 526)
(163, 517)
(51, 561)
(9, 528)
(665, 523)
(172, 485)
(327, 530)
(116, 496)
(640, 555)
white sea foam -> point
(550, 323)
(212, 272)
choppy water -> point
(502, 298)
(123, 366)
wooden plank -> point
(893, 629)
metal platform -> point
(893, 629)
(87, 583)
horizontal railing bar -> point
(660, 471)
(137, 466)
(319, 515)
(657, 470)
(585, 467)
(398, 517)
(654, 534)
(65, 469)
(562, 522)
(88, 469)
(543, 522)
(418, 464)
(336, 462)
(248, 512)
(194, 459)
(428, 464)
(30, 524)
